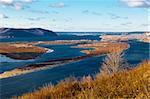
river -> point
(18, 85)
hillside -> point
(32, 32)
(124, 84)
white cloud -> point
(91, 12)
(137, 3)
(57, 5)
(6, 2)
(96, 13)
(27, 1)
(17, 4)
(3, 16)
(85, 11)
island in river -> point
(30, 50)
(99, 48)
(21, 51)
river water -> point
(18, 85)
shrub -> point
(128, 84)
(113, 63)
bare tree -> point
(113, 62)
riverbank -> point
(124, 84)
(21, 51)
(63, 42)
(30, 50)
(40, 66)
(103, 47)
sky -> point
(76, 15)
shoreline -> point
(103, 47)
(30, 50)
(40, 66)
(139, 37)
(56, 62)
(49, 51)
(9, 59)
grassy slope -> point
(124, 84)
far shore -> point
(140, 37)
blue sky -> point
(76, 15)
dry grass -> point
(20, 48)
(121, 84)
(103, 47)
(64, 42)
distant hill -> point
(32, 32)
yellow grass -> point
(124, 84)
(103, 47)
(20, 48)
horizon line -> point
(76, 30)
